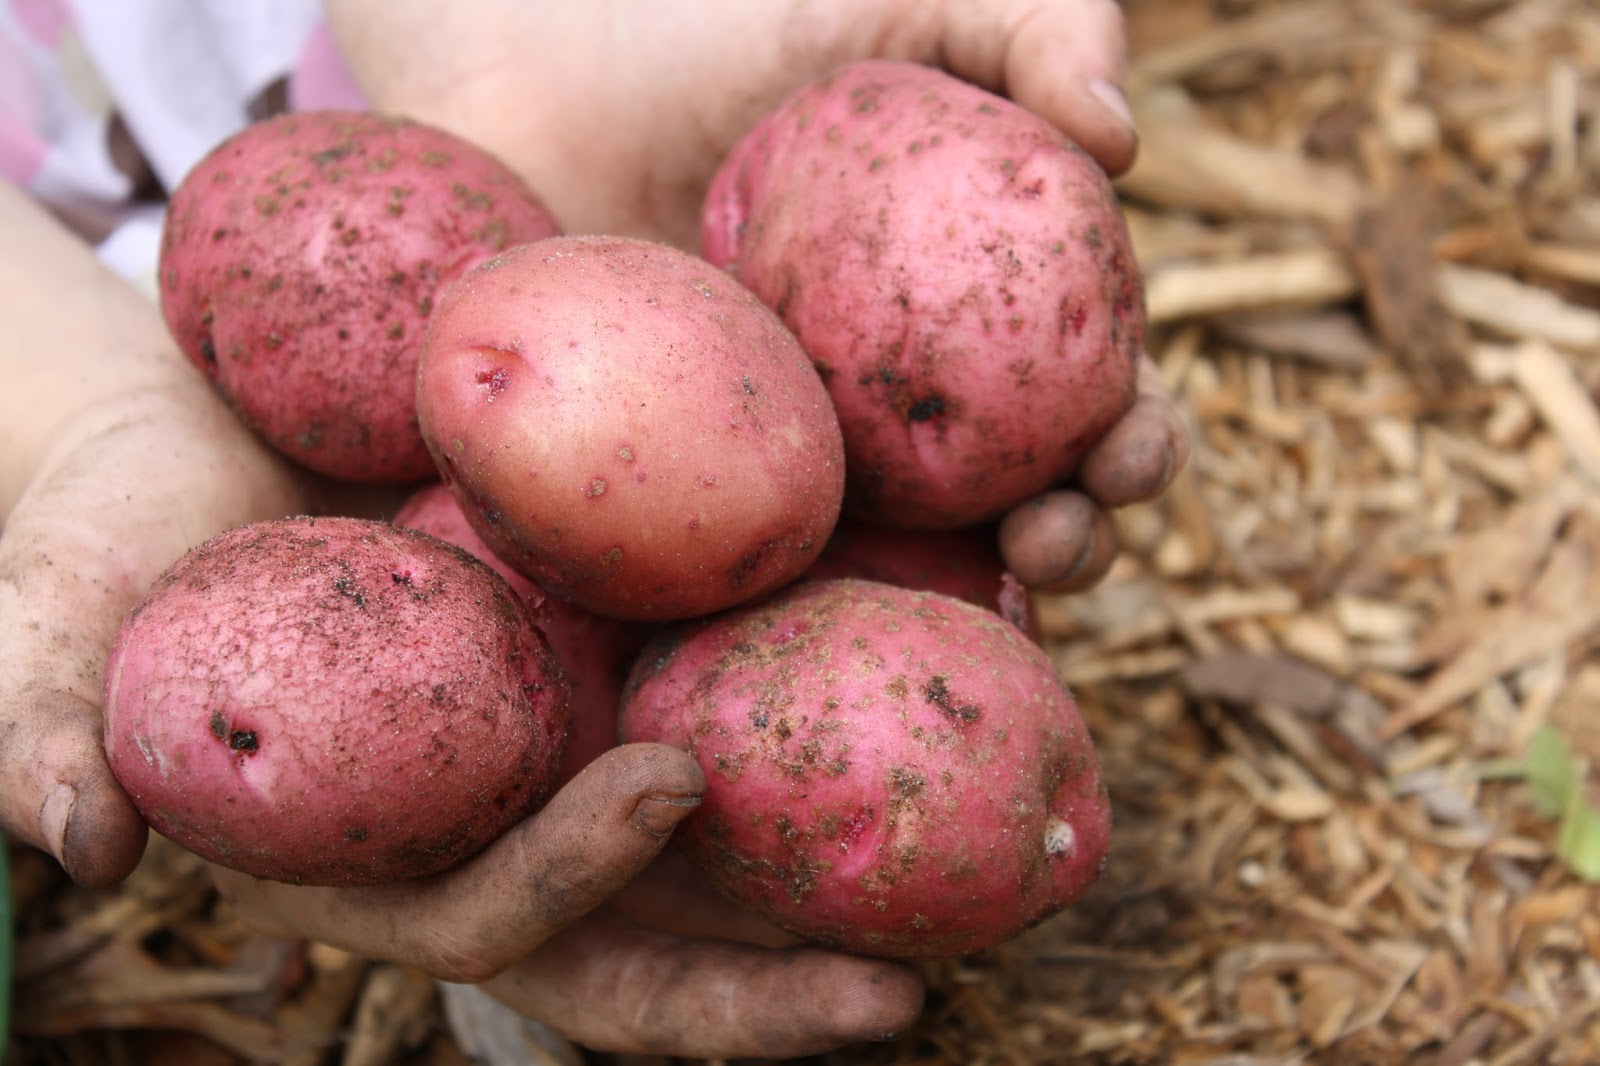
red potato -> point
(628, 426)
(594, 652)
(332, 701)
(958, 270)
(964, 563)
(890, 772)
(301, 261)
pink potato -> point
(301, 261)
(594, 652)
(332, 701)
(889, 772)
(960, 273)
(628, 426)
(964, 563)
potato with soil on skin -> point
(332, 701)
(594, 652)
(628, 426)
(300, 263)
(890, 772)
(959, 271)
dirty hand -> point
(661, 966)
(123, 458)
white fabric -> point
(182, 71)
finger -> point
(672, 896)
(1064, 59)
(1143, 452)
(56, 792)
(63, 593)
(469, 923)
(613, 986)
(1059, 542)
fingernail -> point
(1111, 96)
(659, 815)
(1168, 470)
(1083, 556)
(54, 814)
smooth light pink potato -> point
(959, 271)
(301, 261)
(628, 426)
(964, 563)
(594, 652)
(333, 701)
(890, 772)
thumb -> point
(1064, 60)
(56, 792)
(57, 617)
(468, 924)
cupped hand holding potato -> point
(632, 152)
(143, 462)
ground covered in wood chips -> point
(1371, 236)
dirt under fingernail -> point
(659, 815)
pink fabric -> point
(21, 151)
(44, 20)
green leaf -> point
(1507, 767)
(1553, 777)
(1578, 841)
(1556, 778)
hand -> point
(132, 460)
(618, 114)
(554, 922)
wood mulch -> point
(1371, 238)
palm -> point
(618, 113)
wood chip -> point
(1326, 338)
(1310, 278)
(1556, 392)
(1511, 308)
(1184, 165)
(1562, 607)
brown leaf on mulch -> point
(1245, 678)
(1392, 249)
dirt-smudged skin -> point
(631, 428)
(958, 270)
(300, 264)
(891, 772)
(333, 701)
